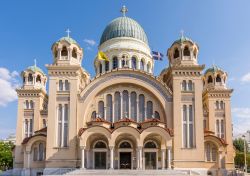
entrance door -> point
(125, 160)
(150, 160)
(100, 160)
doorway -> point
(125, 160)
(150, 160)
(100, 160)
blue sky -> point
(29, 28)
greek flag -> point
(157, 55)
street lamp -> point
(245, 155)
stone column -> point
(137, 159)
(163, 154)
(103, 66)
(140, 157)
(111, 157)
(28, 160)
(169, 158)
(83, 158)
(119, 63)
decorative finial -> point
(35, 62)
(182, 33)
(68, 31)
(124, 10)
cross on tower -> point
(124, 10)
(35, 62)
(68, 31)
(182, 33)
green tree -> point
(6, 160)
(239, 144)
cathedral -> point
(124, 116)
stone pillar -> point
(138, 64)
(103, 66)
(163, 154)
(111, 157)
(137, 159)
(83, 158)
(119, 63)
(28, 160)
(140, 157)
(169, 158)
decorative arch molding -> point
(220, 143)
(31, 140)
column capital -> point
(111, 147)
(83, 147)
(139, 147)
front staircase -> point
(131, 172)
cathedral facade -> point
(124, 117)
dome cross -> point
(124, 10)
(68, 31)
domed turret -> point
(67, 51)
(183, 51)
(214, 78)
(34, 78)
(126, 45)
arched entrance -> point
(151, 155)
(125, 155)
(100, 155)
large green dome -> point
(124, 27)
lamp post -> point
(245, 155)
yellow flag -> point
(102, 56)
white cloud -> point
(8, 84)
(246, 78)
(241, 118)
(90, 42)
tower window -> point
(186, 51)
(133, 62)
(30, 78)
(109, 108)
(176, 53)
(218, 78)
(64, 51)
(115, 63)
(106, 65)
(38, 79)
(142, 65)
(74, 54)
(210, 79)
(123, 63)
(188, 126)
(101, 109)
(100, 68)
(184, 85)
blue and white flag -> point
(157, 55)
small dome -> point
(124, 27)
(213, 69)
(68, 39)
(34, 68)
(182, 39)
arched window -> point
(186, 51)
(100, 68)
(27, 104)
(74, 54)
(125, 103)
(217, 105)
(60, 85)
(150, 144)
(66, 85)
(55, 53)
(133, 62)
(38, 79)
(106, 65)
(133, 108)
(221, 105)
(31, 104)
(64, 51)
(176, 53)
(93, 115)
(195, 53)
(65, 125)
(184, 128)
(109, 109)
(141, 108)
(157, 115)
(191, 127)
(35, 153)
(222, 129)
(101, 109)
(210, 79)
(125, 145)
(59, 140)
(190, 85)
(123, 63)
(142, 65)
(115, 62)
(149, 109)
(30, 78)
(218, 78)
(41, 152)
(218, 128)
(211, 152)
(117, 109)
(184, 85)
(23, 79)
(100, 144)
(148, 67)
